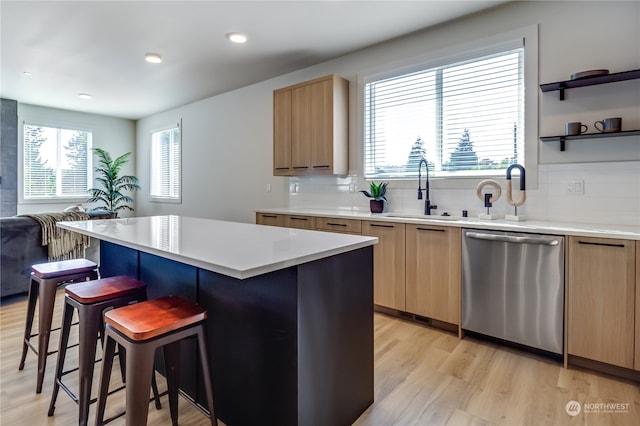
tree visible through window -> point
(165, 164)
(56, 164)
(465, 118)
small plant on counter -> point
(377, 193)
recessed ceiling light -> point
(27, 73)
(84, 96)
(237, 37)
(153, 58)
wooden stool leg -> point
(172, 366)
(89, 319)
(138, 383)
(105, 376)
(67, 318)
(47, 296)
(204, 360)
(31, 310)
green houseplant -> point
(377, 193)
(111, 195)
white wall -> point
(227, 139)
(116, 135)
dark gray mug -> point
(609, 125)
(575, 128)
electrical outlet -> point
(268, 187)
(575, 187)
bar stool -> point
(45, 279)
(91, 299)
(141, 329)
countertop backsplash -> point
(611, 195)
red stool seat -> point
(147, 320)
(63, 267)
(104, 289)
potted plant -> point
(111, 195)
(378, 194)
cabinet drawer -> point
(349, 226)
(297, 221)
(269, 219)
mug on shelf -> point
(575, 128)
(609, 125)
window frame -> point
(59, 125)
(453, 54)
(165, 199)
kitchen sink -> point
(420, 216)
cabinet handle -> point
(299, 218)
(282, 168)
(430, 229)
(589, 243)
(375, 225)
(300, 167)
(336, 224)
(270, 216)
(321, 167)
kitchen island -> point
(290, 323)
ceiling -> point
(98, 47)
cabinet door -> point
(345, 226)
(322, 126)
(601, 300)
(388, 263)
(269, 219)
(301, 129)
(637, 330)
(282, 132)
(433, 272)
(300, 222)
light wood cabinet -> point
(388, 263)
(332, 224)
(297, 221)
(602, 299)
(433, 272)
(310, 128)
(281, 132)
(269, 219)
(637, 331)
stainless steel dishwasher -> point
(513, 287)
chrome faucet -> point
(427, 203)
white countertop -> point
(239, 250)
(540, 227)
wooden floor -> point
(422, 377)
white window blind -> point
(56, 164)
(465, 118)
(165, 164)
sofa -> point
(20, 247)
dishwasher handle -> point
(543, 240)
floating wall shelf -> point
(589, 81)
(562, 139)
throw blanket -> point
(62, 244)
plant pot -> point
(376, 206)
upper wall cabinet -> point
(310, 128)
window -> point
(56, 163)
(165, 164)
(465, 118)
